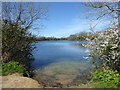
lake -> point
(61, 63)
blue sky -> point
(66, 18)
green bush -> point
(12, 67)
(105, 79)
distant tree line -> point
(83, 36)
(47, 38)
(78, 36)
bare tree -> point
(100, 10)
(106, 8)
(23, 13)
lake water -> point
(61, 63)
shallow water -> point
(61, 63)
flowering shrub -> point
(105, 49)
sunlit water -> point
(61, 63)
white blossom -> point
(107, 46)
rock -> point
(18, 81)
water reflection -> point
(61, 63)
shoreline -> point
(19, 81)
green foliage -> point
(16, 22)
(16, 43)
(105, 79)
(12, 67)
